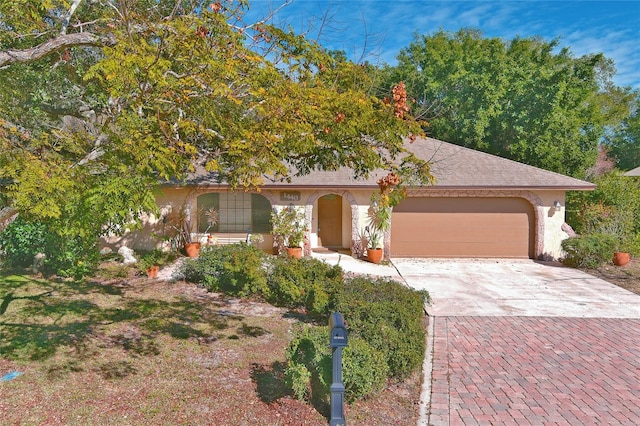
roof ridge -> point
(499, 158)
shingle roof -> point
(454, 167)
(633, 172)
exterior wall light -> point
(557, 206)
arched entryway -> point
(330, 221)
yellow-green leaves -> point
(183, 86)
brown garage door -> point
(462, 227)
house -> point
(480, 206)
(633, 172)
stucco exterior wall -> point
(355, 211)
(554, 219)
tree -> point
(624, 142)
(102, 101)
(519, 99)
(613, 209)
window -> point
(260, 214)
(207, 203)
(236, 212)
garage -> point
(463, 227)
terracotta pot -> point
(152, 271)
(192, 249)
(295, 252)
(374, 255)
(621, 258)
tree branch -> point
(12, 56)
(67, 16)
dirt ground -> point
(627, 276)
(154, 352)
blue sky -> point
(376, 30)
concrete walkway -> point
(481, 287)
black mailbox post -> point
(338, 331)
(337, 341)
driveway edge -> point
(427, 369)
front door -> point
(330, 221)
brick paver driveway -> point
(535, 371)
(522, 344)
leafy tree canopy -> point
(523, 99)
(613, 208)
(101, 100)
(624, 143)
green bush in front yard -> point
(589, 251)
(66, 256)
(234, 269)
(309, 362)
(306, 282)
(386, 340)
(635, 245)
(614, 203)
(365, 370)
(310, 366)
(384, 318)
(389, 316)
(21, 241)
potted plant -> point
(379, 223)
(149, 263)
(183, 227)
(382, 203)
(374, 246)
(622, 251)
(288, 227)
(191, 247)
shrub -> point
(310, 366)
(634, 246)
(154, 257)
(308, 283)
(309, 362)
(234, 269)
(365, 370)
(388, 315)
(65, 255)
(192, 271)
(73, 257)
(588, 251)
(297, 377)
(21, 241)
(614, 202)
